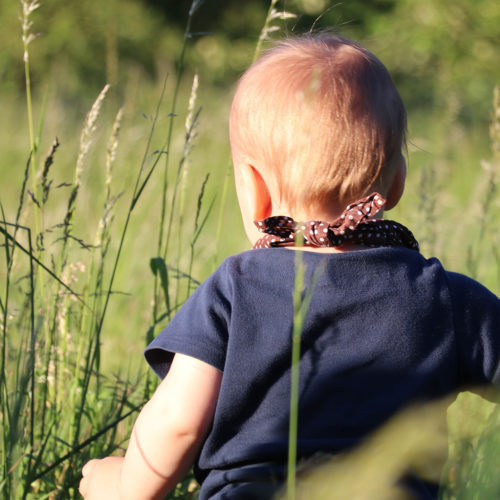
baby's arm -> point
(166, 438)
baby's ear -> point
(253, 197)
(263, 202)
(397, 186)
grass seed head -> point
(87, 134)
(28, 7)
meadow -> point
(115, 206)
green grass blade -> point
(37, 261)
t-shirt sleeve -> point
(477, 325)
(199, 329)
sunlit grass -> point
(60, 404)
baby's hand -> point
(101, 479)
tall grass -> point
(58, 407)
(55, 401)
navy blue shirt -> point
(385, 327)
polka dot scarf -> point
(353, 226)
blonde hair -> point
(320, 118)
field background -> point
(443, 56)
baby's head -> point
(317, 123)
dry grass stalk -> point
(108, 200)
(28, 7)
(85, 142)
(88, 132)
(49, 160)
(191, 104)
(112, 147)
(272, 15)
(190, 123)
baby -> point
(316, 126)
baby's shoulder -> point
(466, 288)
(257, 262)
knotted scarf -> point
(354, 225)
